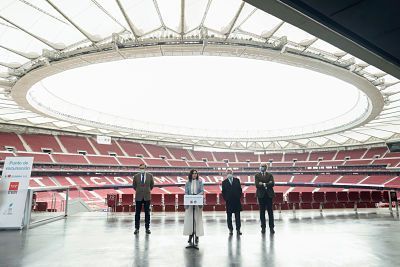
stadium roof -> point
(42, 38)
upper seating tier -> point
(352, 154)
(180, 153)
(157, 151)
(200, 155)
(10, 140)
(107, 149)
(325, 155)
(37, 157)
(221, 156)
(133, 149)
(271, 157)
(296, 156)
(375, 151)
(243, 157)
(74, 144)
(38, 142)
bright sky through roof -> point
(207, 92)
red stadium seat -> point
(208, 208)
(370, 205)
(169, 199)
(169, 208)
(317, 206)
(350, 205)
(294, 206)
(180, 208)
(127, 202)
(41, 206)
(376, 196)
(306, 205)
(319, 198)
(354, 196)
(156, 208)
(251, 198)
(361, 205)
(221, 200)
(181, 199)
(354, 199)
(306, 200)
(247, 207)
(306, 197)
(34, 199)
(386, 196)
(278, 200)
(340, 205)
(112, 201)
(329, 205)
(294, 200)
(219, 207)
(156, 199)
(343, 196)
(330, 199)
(211, 199)
(294, 197)
(365, 196)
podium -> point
(193, 200)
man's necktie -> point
(142, 178)
(230, 180)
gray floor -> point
(337, 238)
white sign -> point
(193, 200)
(14, 185)
(104, 140)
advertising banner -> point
(14, 185)
(104, 140)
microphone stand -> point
(193, 243)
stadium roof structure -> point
(40, 38)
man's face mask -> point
(229, 175)
(142, 170)
(263, 169)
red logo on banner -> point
(13, 186)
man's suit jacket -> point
(268, 178)
(232, 194)
(143, 191)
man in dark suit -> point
(143, 183)
(265, 193)
(232, 192)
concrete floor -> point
(336, 238)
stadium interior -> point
(92, 90)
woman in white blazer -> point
(194, 186)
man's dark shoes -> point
(230, 232)
(148, 231)
(136, 232)
(238, 232)
(263, 230)
(271, 231)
